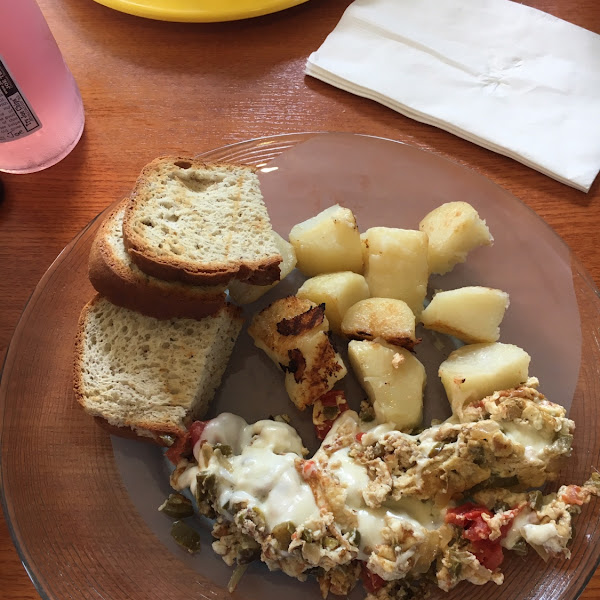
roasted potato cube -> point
(338, 291)
(393, 379)
(386, 318)
(454, 229)
(294, 333)
(328, 242)
(478, 370)
(396, 265)
(246, 293)
(364, 246)
(472, 314)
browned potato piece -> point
(386, 318)
(338, 291)
(454, 229)
(393, 379)
(294, 333)
(477, 370)
(396, 265)
(472, 314)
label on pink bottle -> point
(17, 118)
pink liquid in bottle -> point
(41, 113)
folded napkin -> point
(502, 75)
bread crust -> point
(261, 272)
(153, 437)
(137, 291)
(256, 274)
(78, 352)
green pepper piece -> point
(307, 535)
(329, 543)
(330, 412)
(436, 449)
(563, 443)
(177, 506)
(283, 533)
(520, 547)
(185, 536)
(455, 568)
(206, 494)
(235, 577)
(366, 412)
(355, 537)
(225, 449)
(536, 499)
(248, 555)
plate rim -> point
(295, 137)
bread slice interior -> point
(151, 375)
(200, 223)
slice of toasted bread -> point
(151, 375)
(200, 223)
(294, 333)
(115, 276)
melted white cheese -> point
(224, 429)
(544, 535)
(514, 533)
(409, 513)
(233, 431)
(524, 433)
(262, 470)
(269, 482)
(352, 476)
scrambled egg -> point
(391, 509)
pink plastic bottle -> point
(41, 113)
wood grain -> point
(153, 88)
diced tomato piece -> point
(308, 468)
(469, 516)
(332, 398)
(477, 529)
(196, 430)
(323, 429)
(371, 581)
(488, 553)
(463, 515)
(180, 448)
(326, 410)
(184, 444)
(573, 495)
(359, 436)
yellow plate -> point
(199, 11)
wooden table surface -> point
(153, 88)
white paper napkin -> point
(502, 75)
